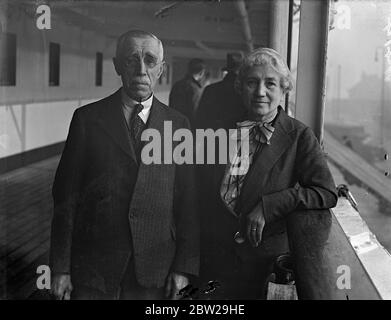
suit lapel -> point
(113, 122)
(255, 180)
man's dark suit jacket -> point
(185, 96)
(289, 174)
(107, 209)
(220, 105)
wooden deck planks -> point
(25, 217)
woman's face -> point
(261, 91)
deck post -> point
(311, 70)
(279, 20)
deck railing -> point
(326, 265)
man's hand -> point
(62, 286)
(255, 222)
(174, 283)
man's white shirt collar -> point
(128, 105)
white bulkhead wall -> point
(34, 114)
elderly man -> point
(123, 229)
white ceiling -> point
(207, 25)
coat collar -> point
(230, 77)
(191, 79)
(112, 120)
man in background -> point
(186, 93)
(220, 106)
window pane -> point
(358, 113)
(7, 59)
(54, 64)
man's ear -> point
(117, 65)
(161, 68)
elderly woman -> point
(243, 216)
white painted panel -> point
(29, 126)
(48, 123)
(11, 131)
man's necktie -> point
(137, 126)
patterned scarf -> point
(259, 134)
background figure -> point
(220, 105)
(220, 108)
(122, 229)
(206, 80)
(186, 93)
(244, 225)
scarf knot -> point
(261, 131)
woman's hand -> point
(255, 222)
(175, 282)
(62, 286)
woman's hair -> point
(265, 57)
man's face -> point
(140, 65)
(261, 91)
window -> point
(98, 69)
(358, 114)
(7, 59)
(54, 64)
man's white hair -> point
(132, 34)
